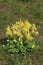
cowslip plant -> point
(20, 37)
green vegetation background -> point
(13, 10)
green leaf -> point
(13, 50)
(29, 45)
(22, 48)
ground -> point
(13, 10)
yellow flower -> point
(20, 23)
(25, 30)
(18, 34)
(32, 31)
(15, 27)
(9, 31)
(29, 37)
(34, 27)
(28, 24)
(14, 32)
(22, 29)
(37, 33)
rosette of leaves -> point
(20, 37)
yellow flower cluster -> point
(22, 29)
(9, 31)
(34, 29)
